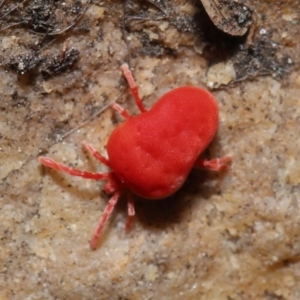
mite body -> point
(151, 154)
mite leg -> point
(103, 220)
(123, 112)
(131, 211)
(46, 161)
(95, 153)
(216, 164)
(133, 87)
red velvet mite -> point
(151, 154)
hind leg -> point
(216, 164)
(103, 220)
(131, 211)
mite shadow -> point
(163, 213)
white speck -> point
(150, 272)
(289, 61)
(210, 84)
(263, 31)
(73, 227)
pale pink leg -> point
(46, 161)
(217, 164)
(131, 211)
(103, 220)
(133, 87)
(123, 112)
(95, 153)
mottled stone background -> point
(230, 236)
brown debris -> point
(60, 63)
(33, 26)
(229, 16)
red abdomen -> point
(154, 152)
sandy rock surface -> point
(232, 236)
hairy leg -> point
(103, 220)
(122, 111)
(216, 164)
(46, 161)
(131, 211)
(95, 153)
(134, 90)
